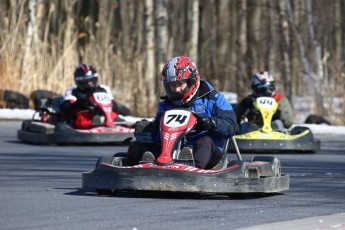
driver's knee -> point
(83, 121)
(206, 153)
(135, 152)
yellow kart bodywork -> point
(267, 139)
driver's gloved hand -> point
(91, 106)
(254, 115)
(248, 102)
(276, 115)
(204, 123)
(85, 104)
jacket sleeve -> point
(242, 108)
(286, 112)
(71, 102)
(224, 117)
(155, 132)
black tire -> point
(298, 129)
(105, 192)
(26, 125)
(15, 100)
(316, 119)
(120, 159)
(113, 160)
(38, 96)
(106, 160)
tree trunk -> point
(194, 31)
(29, 39)
(318, 61)
(149, 60)
(339, 50)
(272, 36)
(243, 83)
(161, 42)
(285, 47)
(224, 41)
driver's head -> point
(263, 84)
(86, 78)
(181, 80)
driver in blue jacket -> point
(217, 120)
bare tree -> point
(194, 31)
(242, 47)
(318, 60)
(224, 43)
(339, 50)
(301, 42)
(285, 47)
(161, 19)
(29, 39)
(149, 60)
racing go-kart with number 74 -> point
(168, 173)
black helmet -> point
(263, 84)
(86, 78)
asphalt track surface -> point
(40, 188)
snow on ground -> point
(15, 114)
(21, 114)
(324, 129)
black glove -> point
(204, 123)
(276, 115)
(248, 102)
(254, 115)
(85, 104)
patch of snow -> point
(324, 129)
(22, 114)
(16, 114)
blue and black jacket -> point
(208, 103)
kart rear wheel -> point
(104, 160)
(26, 125)
(298, 129)
(276, 165)
(105, 192)
(120, 159)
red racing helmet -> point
(181, 68)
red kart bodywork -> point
(168, 173)
(41, 131)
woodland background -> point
(301, 42)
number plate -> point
(175, 119)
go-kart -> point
(48, 126)
(169, 173)
(264, 138)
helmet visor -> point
(86, 83)
(175, 90)
(266, 89)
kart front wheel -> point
(105, 192)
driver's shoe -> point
(185, 154)
(222, 164)
(147, 157)
(96, 121)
